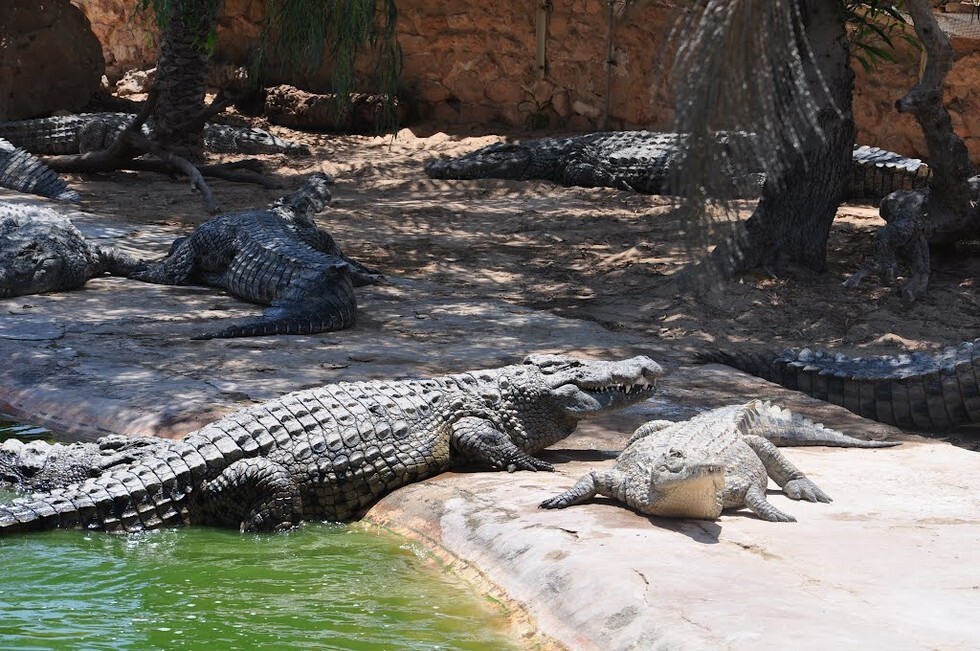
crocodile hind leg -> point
(255, 495)
(791, 479)
(476, 439)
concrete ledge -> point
(891, 563)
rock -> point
(135, 82)
(50, 59)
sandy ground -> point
(595, 254)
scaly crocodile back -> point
(914, 391)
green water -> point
(321, 586)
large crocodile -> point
(24, 172)
(721, 459)
(275, 256)
(74, 134)
(918, 391)
(332, 451)
(643, 161)
(41, 251)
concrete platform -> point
(893, 562)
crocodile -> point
(330, 452)
(41, 466)
(41, 251)
(720, 459)
(22, 171)
(84, 132)
(643, 161)
(917, 391)
(275, 256)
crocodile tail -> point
(876, 173)
(786, 429)
(765, 364)
(128, 500)
(915, 391)
(324, 309)
(300, 323)
(24, 172)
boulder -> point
(50, 60)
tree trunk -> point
(790, 226)
(182, 75)
(946, 212)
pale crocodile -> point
(721, 459)
(332, 451)
(276, 257)
(644, 161)
(918, 391)
(84, 132)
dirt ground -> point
(597, 254)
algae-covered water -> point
(320, 586)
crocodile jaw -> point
(693, 492)
(584, 388)
(584, 403)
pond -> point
(320, 586)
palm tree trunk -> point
(182, 75)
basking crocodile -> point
(721, 459)
(74, 134)
(275, 256)
(332, 451)
(41, 466)
(916, 391)
(21, 171)
(41, 251)
(643, 161)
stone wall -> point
(474, 64)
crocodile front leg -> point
(755, 499)
(254, 494)
(608, 483)
(478, 440)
